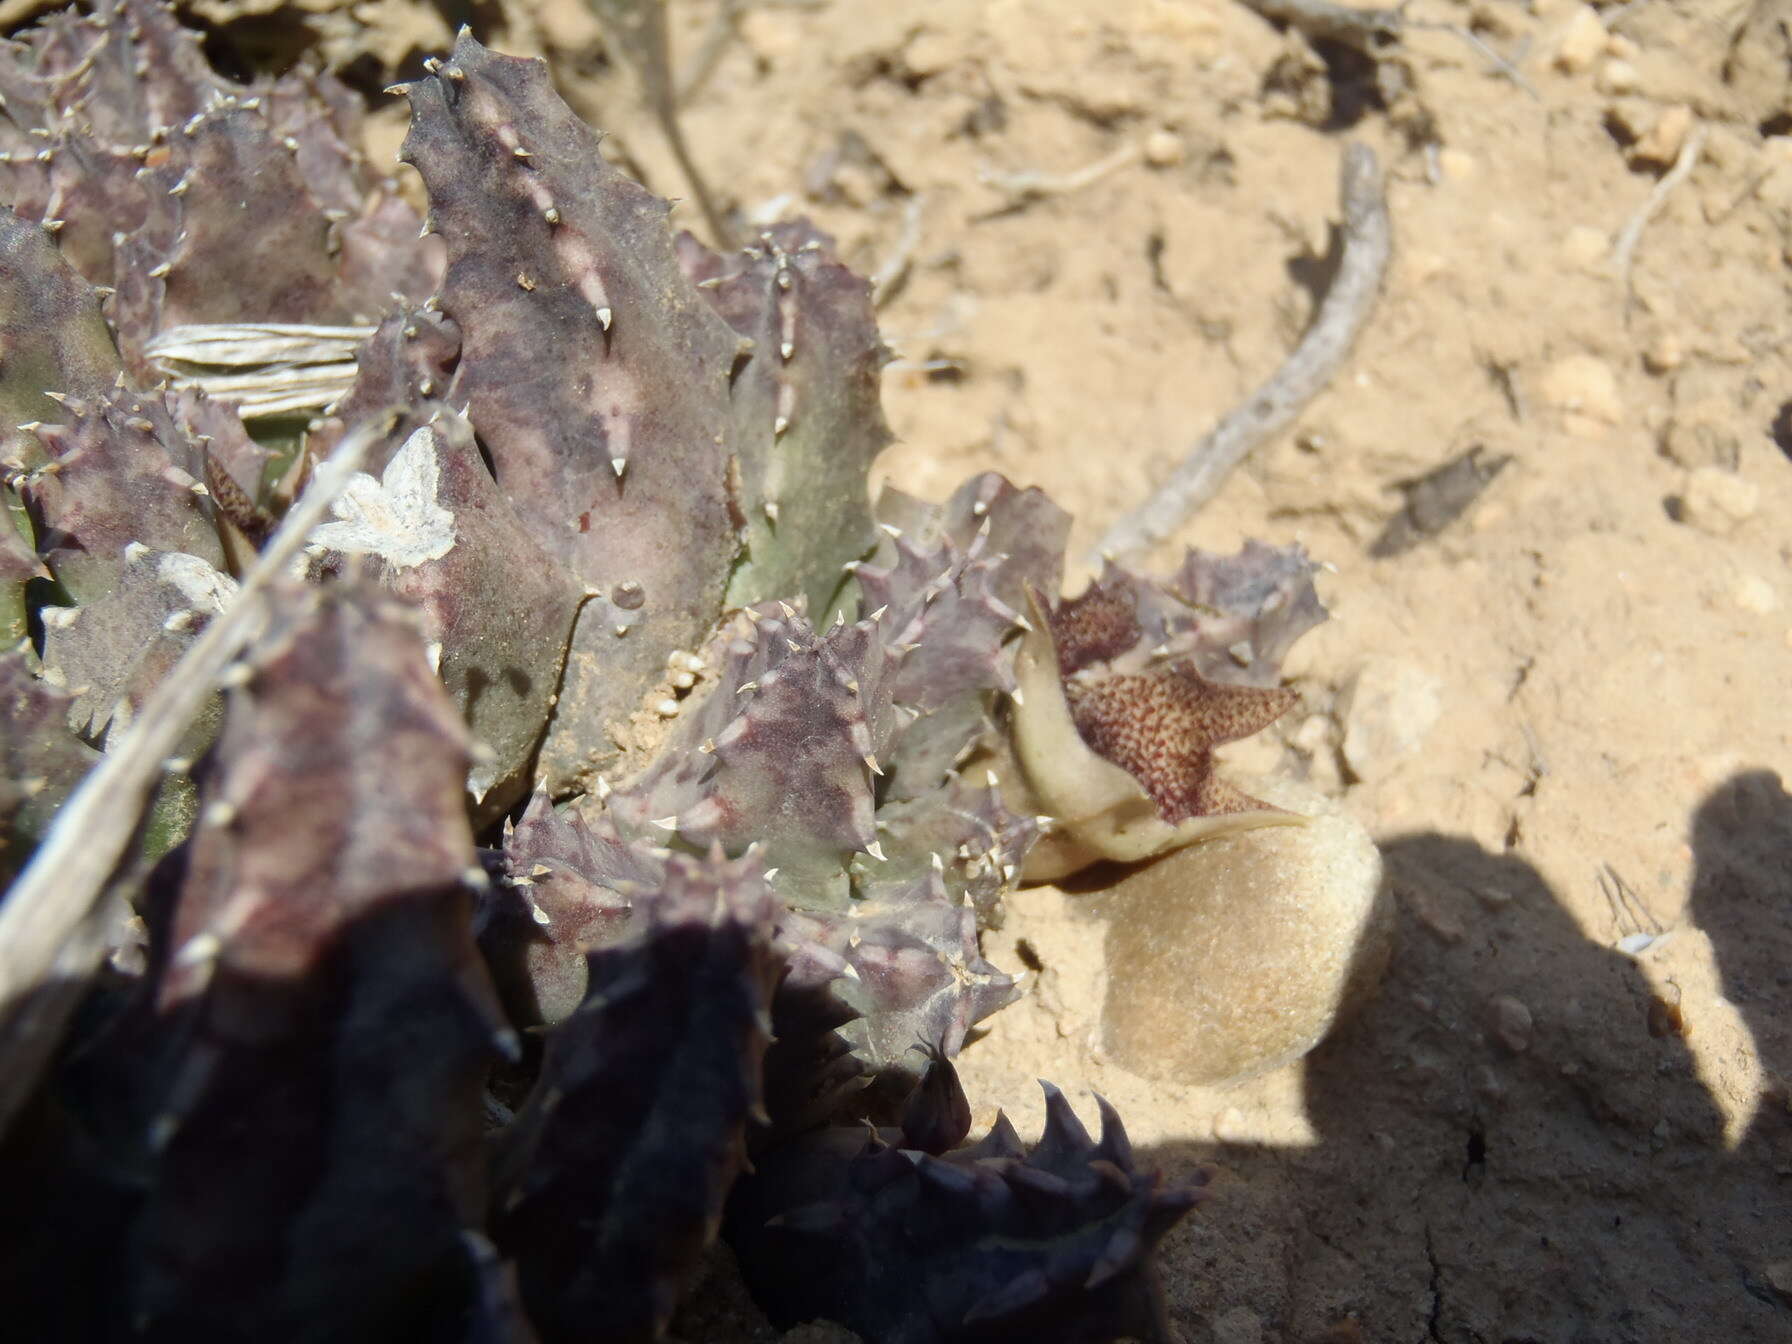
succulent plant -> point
(617, 795)
(907, 1237)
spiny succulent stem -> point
(43, 924)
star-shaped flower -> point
(1152, 713)
(1116, 735)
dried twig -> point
(638, 30)
(1031, 185)
(1367, 244)
(889, 276)
(45, 928)
(256, 344)
(1321, 20)
(723, 25)
(1500, 64)
(1624, 250)
(267, 369)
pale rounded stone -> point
(1581, 41)
(1229, 1126)
(1662, 142)
(1235, 956)
(929, 52)
(1586, 385)
(1387, 711)
(1456, 164)
(1754, 594)
(1512, 1023)
(1779, 1278)
(1665, 353)
(1718, 501)
(1618, 77)
(1164, 149)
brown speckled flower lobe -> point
(1161, 727)
(1100, 625)
(1152, 713)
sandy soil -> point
(1547, 1127)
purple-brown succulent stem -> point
(47, 947)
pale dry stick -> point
(256, 344)
(889, 276)
(44, 921)
(1323, 20)
(1500, 65)
(267, 369)
(724, 25)
(1367, 245)
(1624, 250)
(1032, 185)
(639, 31)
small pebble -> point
(1717, 501)
(1586, 389)
(1229, 1126)
(1494, 898)
(1662, 142)
(1664, 354)
(1755, 595)
(1164, 149)
(1434, 911)
(1617, 77)
(1582, 41)
(1779, 1278)
(1456, 164)
(1512, 1024)
(929, 52)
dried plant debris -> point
(1437, 499)
(608, 797)
(151, 171)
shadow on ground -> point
(1515, 1145)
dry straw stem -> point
(1367, 245)
(1028, 185)
(1624, 250)
(281, 368)
(47, 949)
